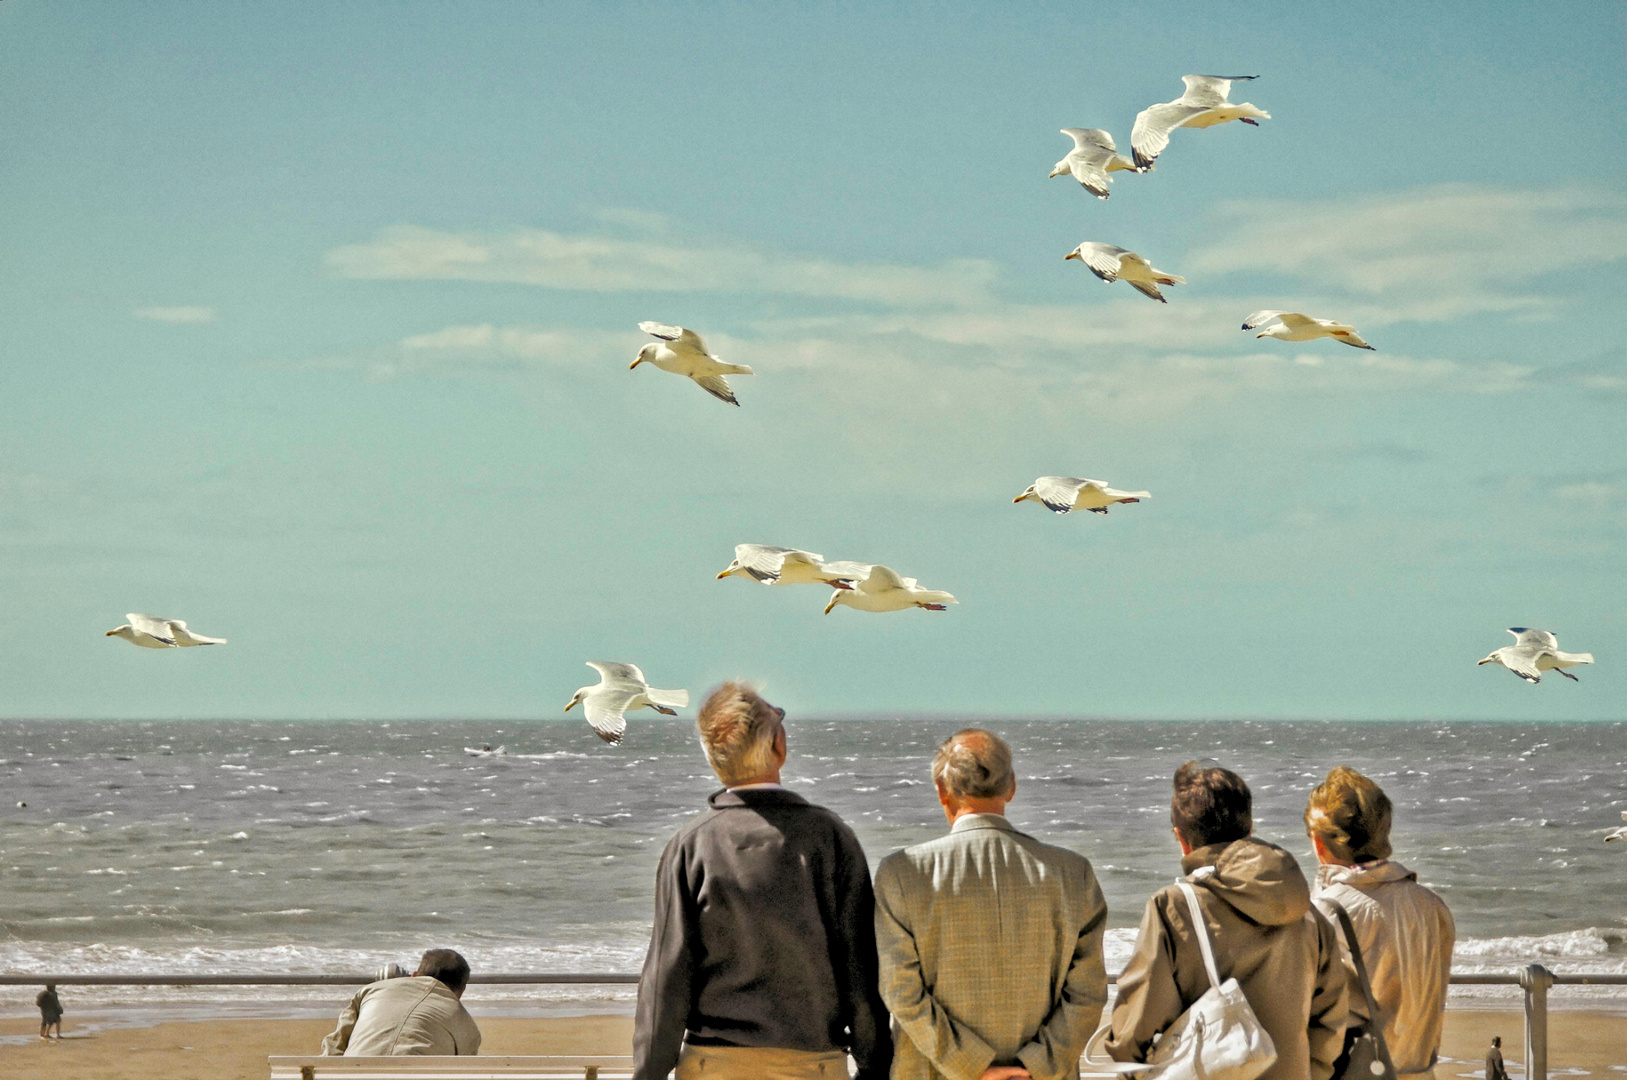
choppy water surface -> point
(334, 847)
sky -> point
(315, 324)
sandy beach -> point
(1580, 1044)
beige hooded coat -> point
(416, 1015)
(1406, 935)
(1283, 954)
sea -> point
(260, 847)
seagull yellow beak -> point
(1071, 255)
(832, 604)
(635, 363)
(725, 574)
(111, 633)
(571, 705)
(1019, 498)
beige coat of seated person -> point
(420, 1014)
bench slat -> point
(474, 1067)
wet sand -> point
(1580, 1044)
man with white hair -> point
(991, 942)
(762, 962)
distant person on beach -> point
(1405, 932)
(1257, 905)
(50, 1011)
(991, 942)
(420, 1014)
(762, 962)
(1494, 1060)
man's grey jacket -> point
(991, 953)
(764, 936)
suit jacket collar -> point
(726, 799)
(967, 822)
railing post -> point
(1535, 980)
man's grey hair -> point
(974, 764)
(737, 729)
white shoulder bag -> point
(1218, 1038)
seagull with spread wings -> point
(1092, 158)
(883, 590)
(1536, 651)
(151, 632)
(622, 688)
(1063, 493)
(1621, 833)
(682, 352)
(1292, 326)
(1204, 104)
(791, 566)
(1116, 264)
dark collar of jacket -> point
(726, 799)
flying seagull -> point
(1292, 326)
(682, 352)
(883, 590)
(1536, 651)
(1621, 833)
(1114, 264)
(791, 566)
(1064, 493)
(1093, 156)
(151, 632)
(1203, 105)
(622, 688)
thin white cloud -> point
(1443, 252)
(610, 264)
(177, 315)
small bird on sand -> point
(883, 590)
(1292, 326)
(1204, 104)
(622, 688)
(1064, 493)
(1116, 264)
(791, 566)
(1536, 651)
(151, 632)
(682, 352)
(1092, 158)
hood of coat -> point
(1262, 881)
(1364, 875)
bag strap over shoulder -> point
(1202, 930)
(1373, 1010)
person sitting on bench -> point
(419, 1014)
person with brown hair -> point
(1266, 935)
(762, 961)
(1404, 931)
(991, 942)
(421, 1013)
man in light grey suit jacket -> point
(990, 941)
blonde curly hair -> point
(1351, 814)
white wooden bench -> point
(475, 1067)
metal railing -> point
(1534, 980)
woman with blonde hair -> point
(1403, 930)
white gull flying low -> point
(1293, 326)
(1204, 104)
(622, 688)
(1064, 493)
(1093, 156)
(1116, 264)
(1536, 651)
(151, 632)
(791, 566)
(1621, 833)
(682, 352)
(883, 590)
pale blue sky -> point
(317, 318)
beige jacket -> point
(416, 1015)
(991, 953)
(1406, 935)
(1283, 954)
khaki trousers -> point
(758, 1063)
